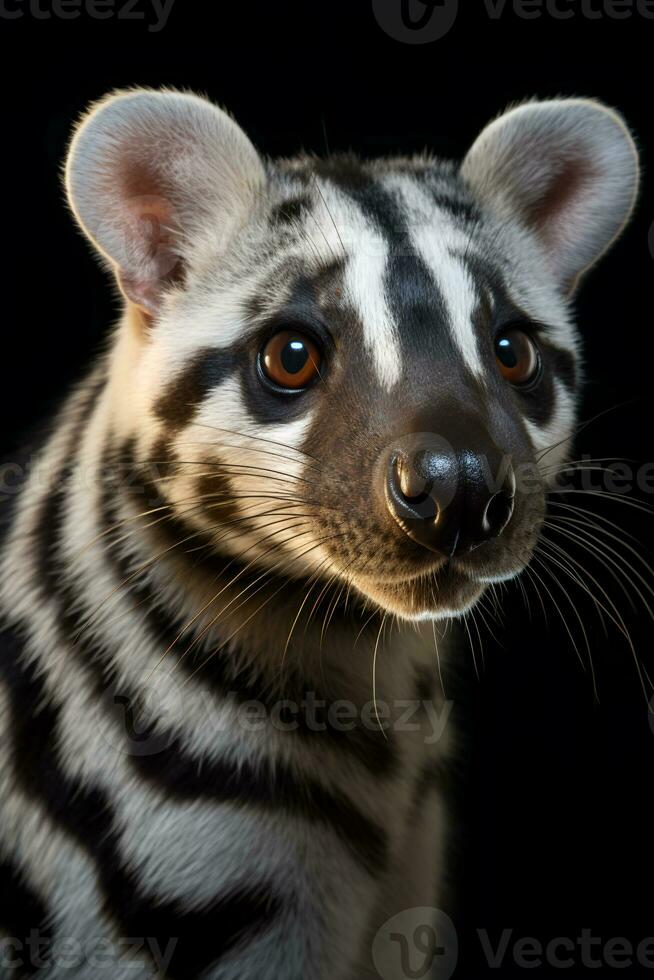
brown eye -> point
(290, 360)
(517, 357)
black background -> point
(555, 804)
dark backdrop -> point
(553, 800)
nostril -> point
(411, 492)
(498, 513)
(417, 499)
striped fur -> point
(191, 547)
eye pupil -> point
(507, 353)
(294, 357)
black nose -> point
(449, 501)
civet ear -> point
(147, 172)
(567, 169)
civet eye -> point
(290, 360)
(517, 357)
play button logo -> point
(416, 21)
(416, 944)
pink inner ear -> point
(147, 256)
(558, 211)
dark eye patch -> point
(207, 369)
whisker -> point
(592, 513)
(636, 504)
(614, 615)
(235, 579)
(557, 606)
(259, 608)
(265, 573)
(472, 646)
(590, 545)
(270, 442)
(331, 218)
(210, 602)
(582, 427)
(198, 503)
(235, 469)
(438, 659)
(312, 585)
(374, 674)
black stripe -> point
(208, 369)
(14, 474)
(562, 364)
(15, 470)
(459, 208)
(425, 685)
(291, 211)
(413, 295)
(432, 778)
(439, 178)
(272, 788)
(22, 912)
